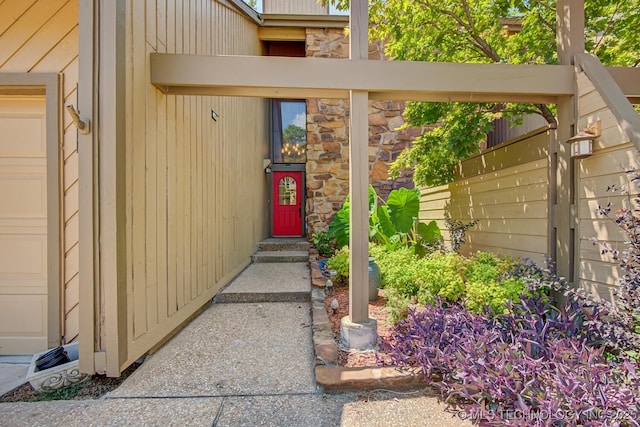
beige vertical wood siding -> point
(195, 187)
(506, 190)
(295, 7)
(613, 153)
(39, 36)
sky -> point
(293, 113)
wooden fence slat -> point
(138, 114)
(179, 202)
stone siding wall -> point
(328, 138)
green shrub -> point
(399, 269)
(397, 305)
(437, 274)
(503, 264)
(378, 252)
(484, 280)
(443, 275)
(485, 258)
(493, 294)
(340, 263)
(323, 243)
(482, 273)
(491, 283)
(425, 296)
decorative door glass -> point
(287, 191)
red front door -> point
(287, 203)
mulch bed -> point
(377, 311)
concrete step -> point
(265, 282)
(280, 256)
(283, 244)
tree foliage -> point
(294, 134)
(252, 3)
(475, 31)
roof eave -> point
(305, 21)
(247, 10)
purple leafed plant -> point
(627, 219)
(538, 366)
(541, 364)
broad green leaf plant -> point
(393, 223)
(476, 31)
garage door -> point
(23, 226)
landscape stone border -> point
(329, 375)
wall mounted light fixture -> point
(83, 125)
(582, 142)
(214, 115)
(266, 165)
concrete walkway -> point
(238, 364)
(13, 370)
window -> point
(286, 48)
(289, 131)
(287, 191)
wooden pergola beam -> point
(627, 117)
(628, 79)
(272, 77)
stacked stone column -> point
(327, 138)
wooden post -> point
(358, 172)
(570, 31)
(111, 186)
(357, 331)
(359, 209)
(86, 180)
(101, 95)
